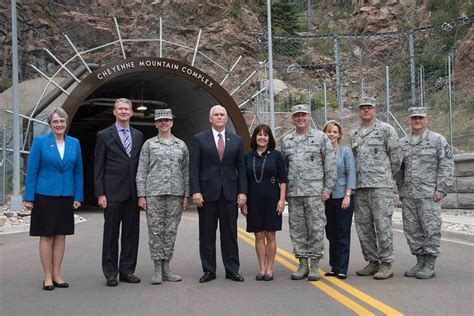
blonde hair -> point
(330, 124)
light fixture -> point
(142, 108)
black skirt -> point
(52, 215)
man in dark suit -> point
(218, 184)
(115, 166)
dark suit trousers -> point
(226, 213)
(127, 214)
(338, 232)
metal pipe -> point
(16, 199)
(338, 77)
(230, 70)
(119, 37)
(270, 66)
(411, 42)
(77, 53)
(196, 47)
(61, 64)
(450, 95)
(387, 92)
(325, 101)
(161, 37)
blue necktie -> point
(126, 142)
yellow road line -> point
(344, 300)
(249, 238)
(341, 284)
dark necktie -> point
(220, 146)
(126, 142)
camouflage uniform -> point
(427, 168)
(163, 178)
(312, 170)
(377, 155)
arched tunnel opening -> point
(190, 97)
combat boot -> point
(420, 262)
(167, 274)
(428, 269)
(157, 277)
(370, 269)
(314, 270)
(302, 271)
(385, 271)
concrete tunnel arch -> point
(156, 83)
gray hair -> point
(123, 100)
(60, 112)
(215, 107)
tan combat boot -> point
(385, 271)
(370, 269)
(167, 274)
(302, 271)
(314, 270)
(428, 270)
(157, 277)
(420, 262)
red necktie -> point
(220, 146)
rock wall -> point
(462, 194)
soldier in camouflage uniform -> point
(377, 154)
(424, 179)
(163, 190)
(312, 173)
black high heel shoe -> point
(61, 285)
(48, 287)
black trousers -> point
(224, 212)
(123, 213)
(338, 232)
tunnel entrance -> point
(151, 83)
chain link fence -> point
(401, 69)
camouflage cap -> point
(417, 111)
(367, 101)
(299, 108)
(163, 114)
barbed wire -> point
(446, 26)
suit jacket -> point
(211, 176)
(48, 174)
(346, 175)
(114, 170)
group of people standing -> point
(324, 182)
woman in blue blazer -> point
(340, 207)
(53, 189)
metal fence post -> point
(450, 95)
(387, 92)
(411, 39)
(338, 77)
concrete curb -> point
(26, 227)
(447, 235)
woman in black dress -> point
(267, 179)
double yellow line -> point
(287, 260)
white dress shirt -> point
(216, 138)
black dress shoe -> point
(207, 276)
(260, 277)
(330, 273)
(342, 276)
(48, 287)
(112, 281)
(235, 277)
(62, 285)
(268, 277)
(131, 278)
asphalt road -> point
(450, 293)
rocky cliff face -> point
(90, 23)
